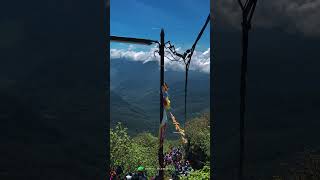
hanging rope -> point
(186, 57)
(187, 61)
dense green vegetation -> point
(198, 135)
(142, 149)
(134, 151)
(203, 173)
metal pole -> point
(160, 153)
(132, 40)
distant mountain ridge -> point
(135, 93)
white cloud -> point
(200, 60)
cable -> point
(186, 57)
(174, 59)
(187, 64)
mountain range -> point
(135, 94)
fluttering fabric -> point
(178, 129)
(168, 111)
(163, 127)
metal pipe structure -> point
(132, 40)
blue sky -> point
(181, 20)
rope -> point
(187, 64)
(186, 56)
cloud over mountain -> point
(200, 60)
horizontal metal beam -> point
(132, 40)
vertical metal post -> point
(160, 153)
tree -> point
(198, 135)
(132, 152)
